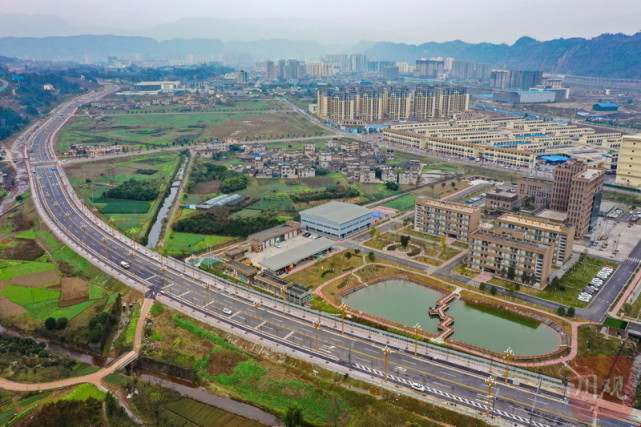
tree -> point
(571, 312)
(50, 323)
(294, 417)
(348, 254)
(392, 186)
(511, 272)
(373, 231)
(483, 286)
(555, 282)
(61, 323)
(493, 290)
(371, 256)
(405, 240)
(525, 276)
(560, 311)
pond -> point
(405, 302)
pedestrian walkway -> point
(445, 325)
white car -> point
(417, 386)
(227, 311)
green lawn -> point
(25, 295)
(405, 203)
(187, 410)
(572, 283)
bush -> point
(392, 186)
(571, 312)
(560, 311)
(50, 323)
(61, 323)
(494, 290)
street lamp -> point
(491, 383)
(132, 256)
(416, 328)
(111, 224)
(104, 244)
(342, 308)
(316, 324)
(507, 356)
(386, 352)
(283, 293)
(257, 305)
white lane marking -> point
(286, 337)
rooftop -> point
(459, 207)
(336, 212)
(278, 230)
(590, 174)
(294, 255)
(539, 223)
(551, 215)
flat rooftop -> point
(278, 230)
(540, 223)
(556, 216)
(455, 206)
(336, 212)
(294, 255)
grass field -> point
(405, 203)
(254, 105)
(188, 243)
(149, 131)
(125, 207)
(15, 268)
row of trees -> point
(134, 190)
(218, 221)
(56, 324)
(330, 192)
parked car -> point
(307, 234)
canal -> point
(156, 229)
(405, 302)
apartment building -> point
(371, 104)
(629, 168)
(577, 191)
(448, 219)
(560, 237)
(497, 250)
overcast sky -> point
(410, 21)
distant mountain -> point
(608, 55)
(95, 48)
(226, 30)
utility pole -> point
(386, 352)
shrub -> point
(50, 323)
(61, 323)
(494, 290)
(561, 311)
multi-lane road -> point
(441, 376)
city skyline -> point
(467, 20)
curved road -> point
(448, 377)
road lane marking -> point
(286, 337)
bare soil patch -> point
(74, 290)
(224, 362)
(27, 250)
(207, 187)
(35, 280)
(7, 308)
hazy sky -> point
(411, 21)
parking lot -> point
(612, 239)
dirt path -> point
(96, 377)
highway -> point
(449, 378)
